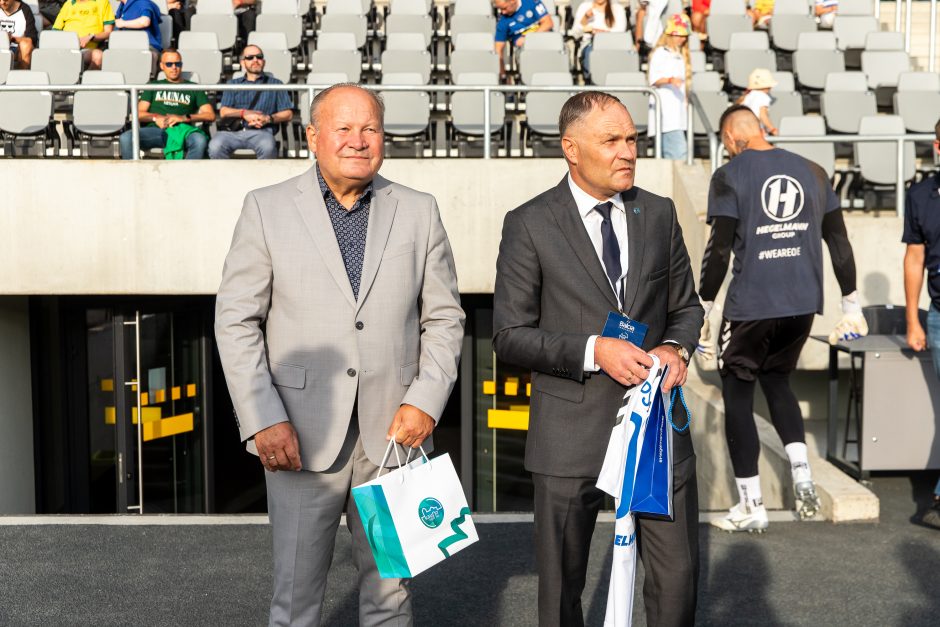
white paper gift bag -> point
(414, 516)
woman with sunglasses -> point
(670, 72)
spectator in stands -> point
(670, 72)
(922, 236)
(700, 11)
(49, 9)
(169, 115)
(256, 114)
(142, 15)
(757, 97)
(19, 23)
(761, 11)
(649, 24)
(825, 11)
(598, 16)
(92, 21)
(247, 14)
(518, 18)
(179, 14)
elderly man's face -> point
(601, 151)
(348, 139)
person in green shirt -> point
(166, 112)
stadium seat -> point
(292, 25)
(407, 113)
(787, 102)
(407, 24)
(699, 61)
(317, 78)
(541, 61)
(808, 126)
(407, 62)
(472, 7)
(542, 109)
(748, 52)
(880, 40)
(414, 42)
(549, 40)
(347, 7)
(345, 23)
(336, 41)
(851, 30)
(6, 57)
(612, 41)
(856, 7)
(878, 161)
(128, 54)
(215, 7)
(59, 56)
(846, 100)
(98, 115)
(467, 112)
(278, 61)
(605, 61)
(815, 57)
(637, 103)
(474, 41)
(201, 54)
(791, 18)
(346, 62)
(714, 101)
(473, 24)
(706, 82)
(410, 7)
(224, 25)
(473, 62)
(883, 60)
(721, 26)
(26, 116)
(166, 31)
(917, 100)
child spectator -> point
(757, 98)
(18, 22)
(825, 11)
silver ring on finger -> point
(270, 457)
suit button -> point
(351, 372)
(360, 326)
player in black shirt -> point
(773, 209)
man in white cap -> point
(757, 98)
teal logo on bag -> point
(431, 513)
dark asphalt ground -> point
(880, 574)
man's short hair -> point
(320, 97)
(729, 113)
(580, 105)
(242, 54)
(167, 51)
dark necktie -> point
(611, 247)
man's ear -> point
(311, 132)
(570, 149)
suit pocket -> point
(398, 250)
(566, 389)
(288, 376)
(659, 274)
(408, 373)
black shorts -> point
(748, 348)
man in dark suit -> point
(595, 244)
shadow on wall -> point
(876, 288)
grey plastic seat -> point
(878, 161)
(845, 100)
(884, 40)
(637, 103)
(729, 7)
(201, 54)
(808, 126)
(407, 23)
(6, 57)
(215, 7)
(787, 102)
(25, 115)
(540, 61)
(291, 26)
(467, 107)
(473, 61)
(856, 7)
(748, 52)
(473, 41)
(851, 30)
(317, 78)
(714, 104)
(407, 61)
(100, 113)
(707, 81)
(414, 42)
(345, 23)
(791, 18)
(722, 26)
(268, 41)
(542, 108)
(225, 27)
(784, 81)
(347, 62)
(128, 53)
(472, 7)
(549, 40)
(347, 7)
(280, 7)
(336, 41)
(917, 100)
(410, 7)
(612, 41)
(472, 24)
(883, 67)
(699, 61)
(815, 57)
(59, 56)
(406, 113)
(603, 62)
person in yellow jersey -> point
(92, 21)
(761, 11)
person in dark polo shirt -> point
(922, 236)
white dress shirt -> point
(592, 223)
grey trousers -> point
(304, 509)
(565, 513)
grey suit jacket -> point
(297, 346)
(552, 294)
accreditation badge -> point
(621, 327)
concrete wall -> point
(17, 485)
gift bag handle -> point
(393, 444)
(672, 402)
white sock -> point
(799, 461)
(749, 492)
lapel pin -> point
(636, 210)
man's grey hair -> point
(580, 105)
(320, 97)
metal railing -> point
(695, 106)
(908, 19)
(900, 140)
(310, 90)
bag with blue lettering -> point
(617, 478)
(414, 516)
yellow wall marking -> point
(110, 416)
(489, 387)
(144, 398)
(191, 390)
(107, 385)
(168, 426)
(507, 419)
(159, 396)
(528, 389)
(175, 393)
(511, 387)
(151, 414)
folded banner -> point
(414, 516)
(617, 478)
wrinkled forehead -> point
(350, 106)
(607, 119)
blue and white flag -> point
(616, 478)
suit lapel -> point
(381, 216)
(636, 240)
(569, 220)
(309, 202)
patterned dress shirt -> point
(350, 228)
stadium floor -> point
(796, 574)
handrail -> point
(827, 139)
(696, 105)
(310, 89)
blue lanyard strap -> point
(672, 402)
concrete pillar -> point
(17, 481)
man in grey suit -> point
(339, 327)
(594, 244)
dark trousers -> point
(565, 513)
